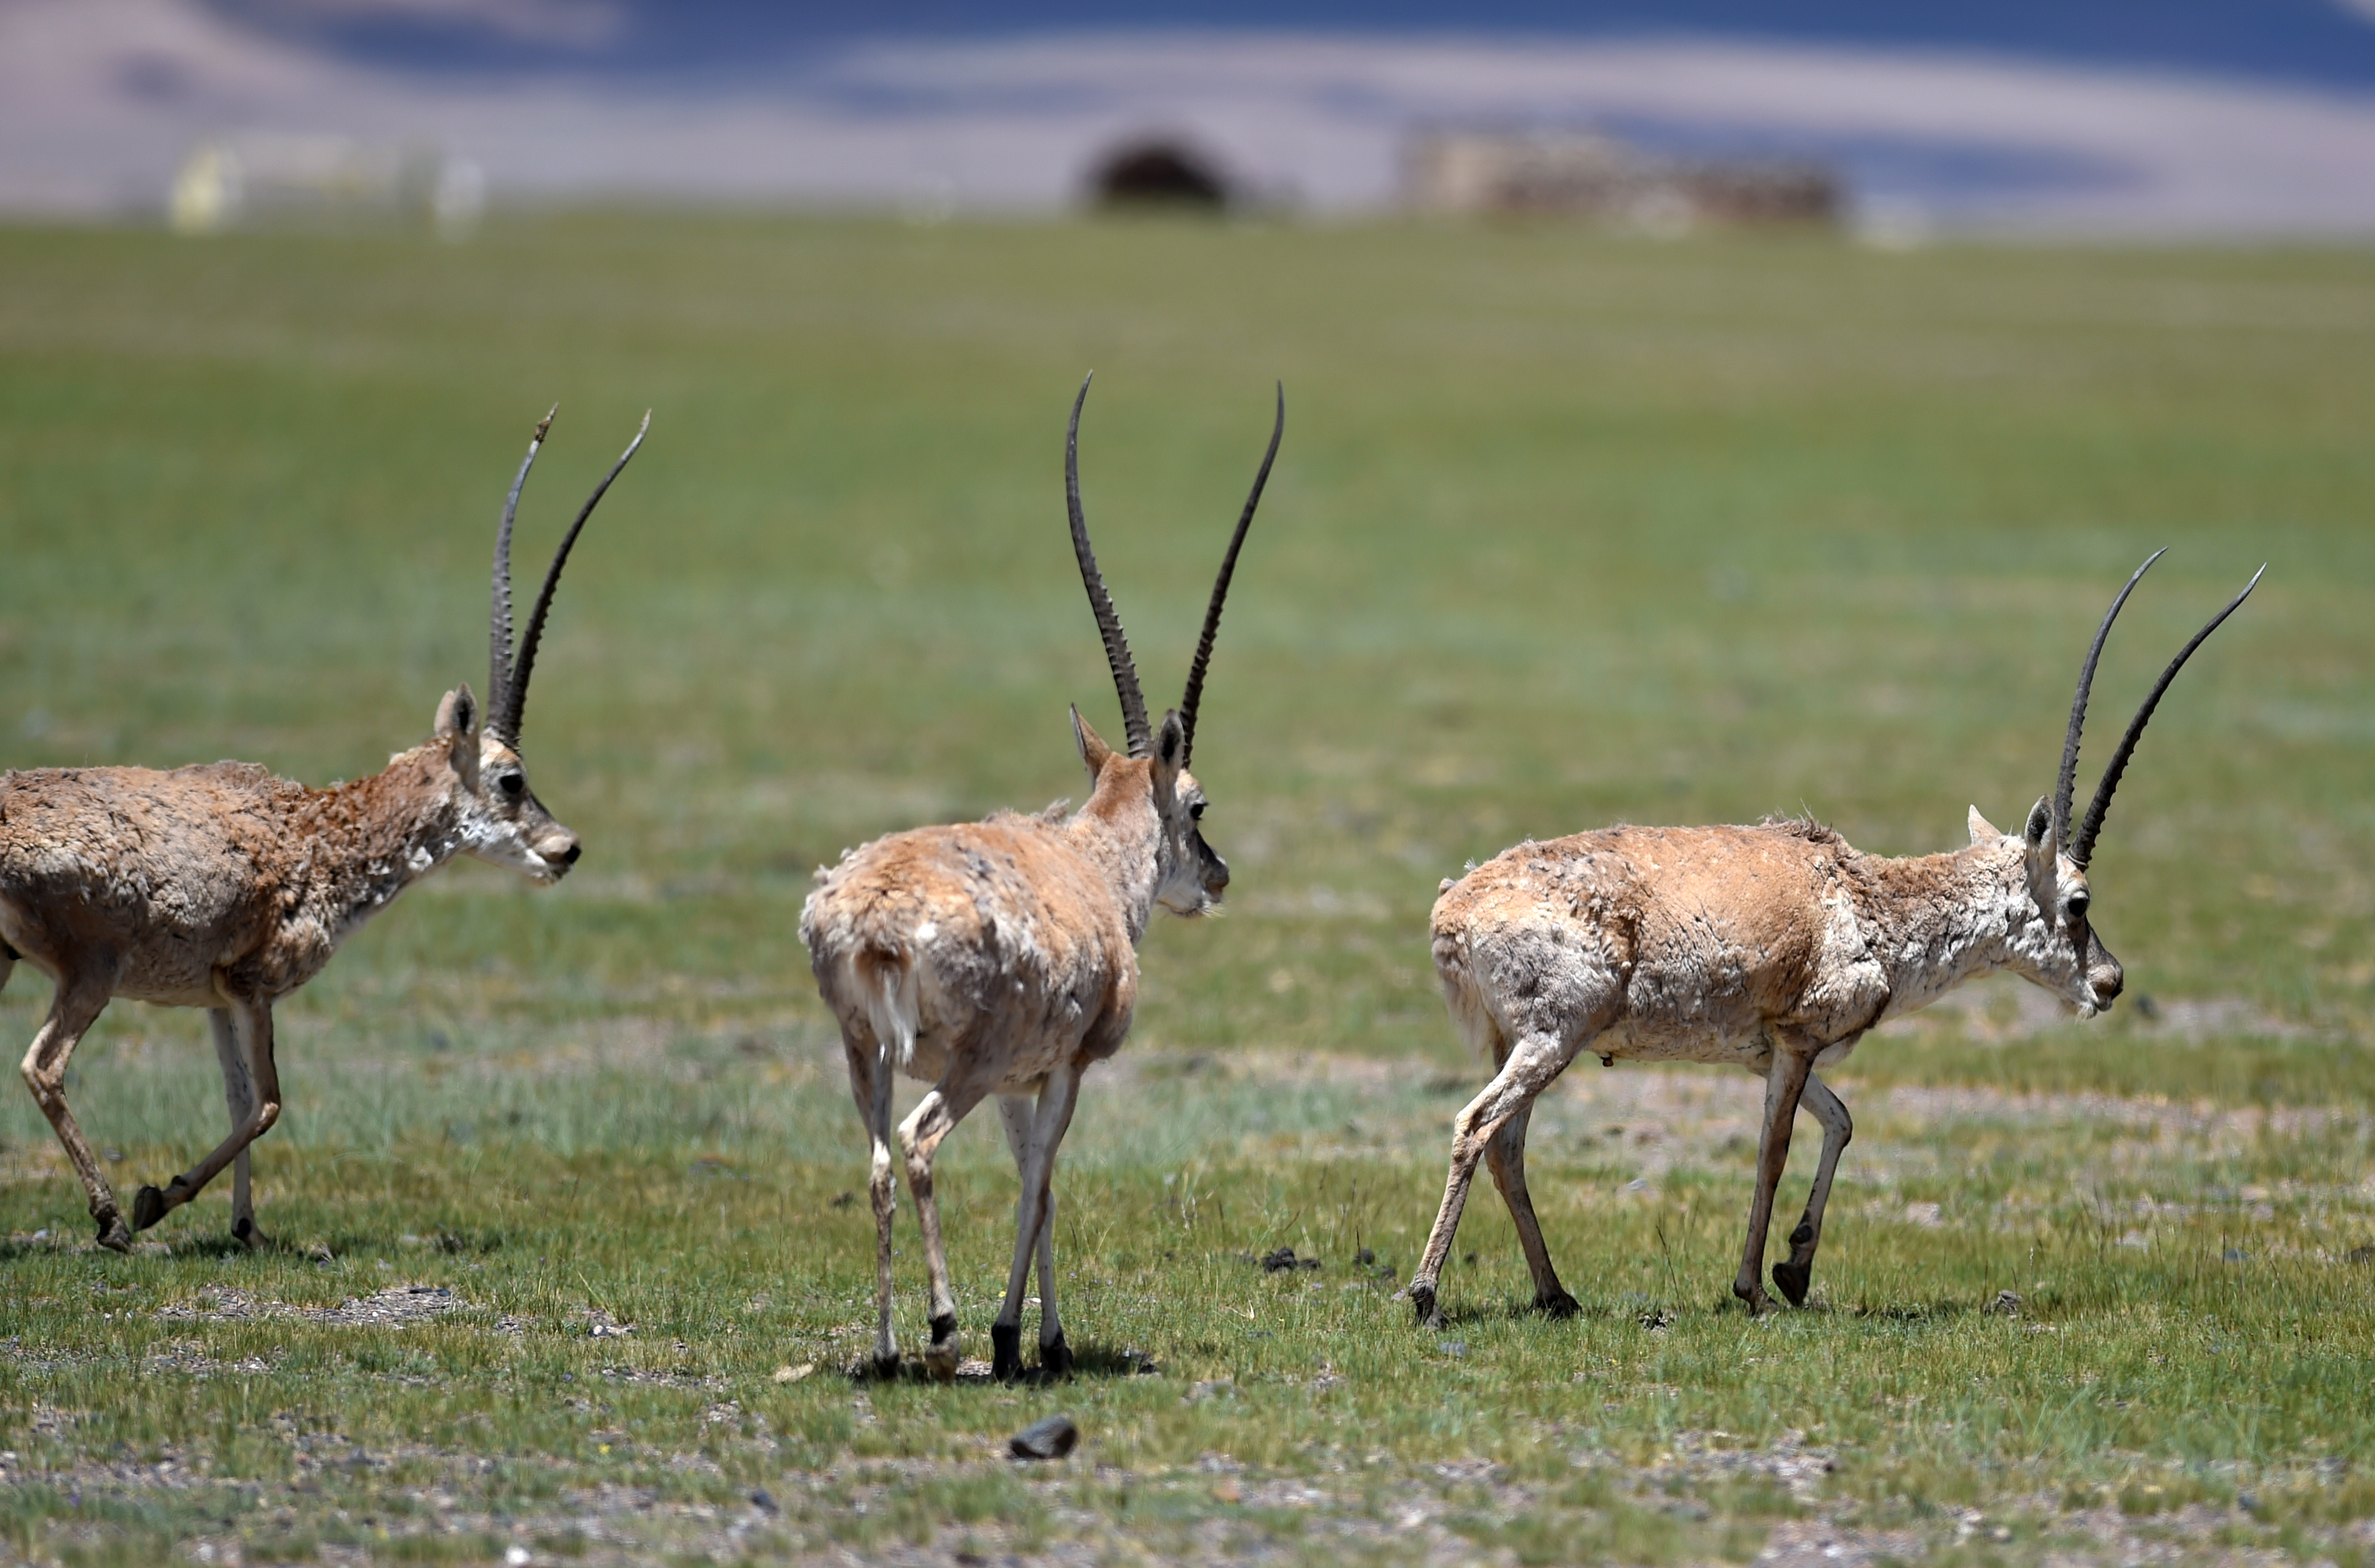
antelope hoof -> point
(1792, 1279)
(1006, 1351)
(940, 1357)
(886, 1367)
(1558, 1304)
(244, 1231)
(113, 1234)
(148, 1208)
(1752, 1296)
(1055, 1358)
(1422, 1303)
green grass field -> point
(1565, 530)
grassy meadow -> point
(1567, 529)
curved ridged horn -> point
(1221, 587)
(2067, 779)
(1124, 671)
(499, 635)
(504, 717)
(2082, 846)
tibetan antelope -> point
(1771, 948)
(1000, 957)
(221, 886)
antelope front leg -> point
(1533, 1062)
(252, 1020)
(1034, 1133)
(74, 1009)
(1784, 1080)
(1838, 1127)
(238, 1096)
(933, 1119)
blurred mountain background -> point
(2192, 118)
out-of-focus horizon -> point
(2196, 119)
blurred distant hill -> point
(2193, 118)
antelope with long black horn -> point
(221, 886)
(1000, 958)
(1772, 947)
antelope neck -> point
(1119, 832)
(1934, 921)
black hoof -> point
(887, 1367)
(1055, 1358)
(248, 1235)
(1755, 1298)
(1422, 1298)
(1793, 1279)
(148, 1208)
(947, 1348)
(113, 1234)
(1006, 1351)
(1558, 1304)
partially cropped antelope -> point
(1771, 948)
(1000, 957)
(221, 886)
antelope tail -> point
(886, 977)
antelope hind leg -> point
(933, 1119)
(73, 1010)
(1533, 1062)
(870, 1085)
(1793, 1277)
(1504, 1156)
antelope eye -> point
(512, 783)
(2077, 905)
(1195, 812)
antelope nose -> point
(2107, 991)
(569, 857)
(1220, 877)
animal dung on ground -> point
(1050, 1437)
(1280, 1261)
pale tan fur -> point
(1771, 948)
(224, 887)
(1000, 958)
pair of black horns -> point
(2081, 844)
(1139, 733)
(507, 676)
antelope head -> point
(1190, 877)
(502, 821)
(2054, 942)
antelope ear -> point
(2040, 826)
(1093, 751)
(1170, 752)
(1982, 830)
(457, 725)
(457, 714)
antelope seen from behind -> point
(1771, 948)
(1000, 958)
(224, 887)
